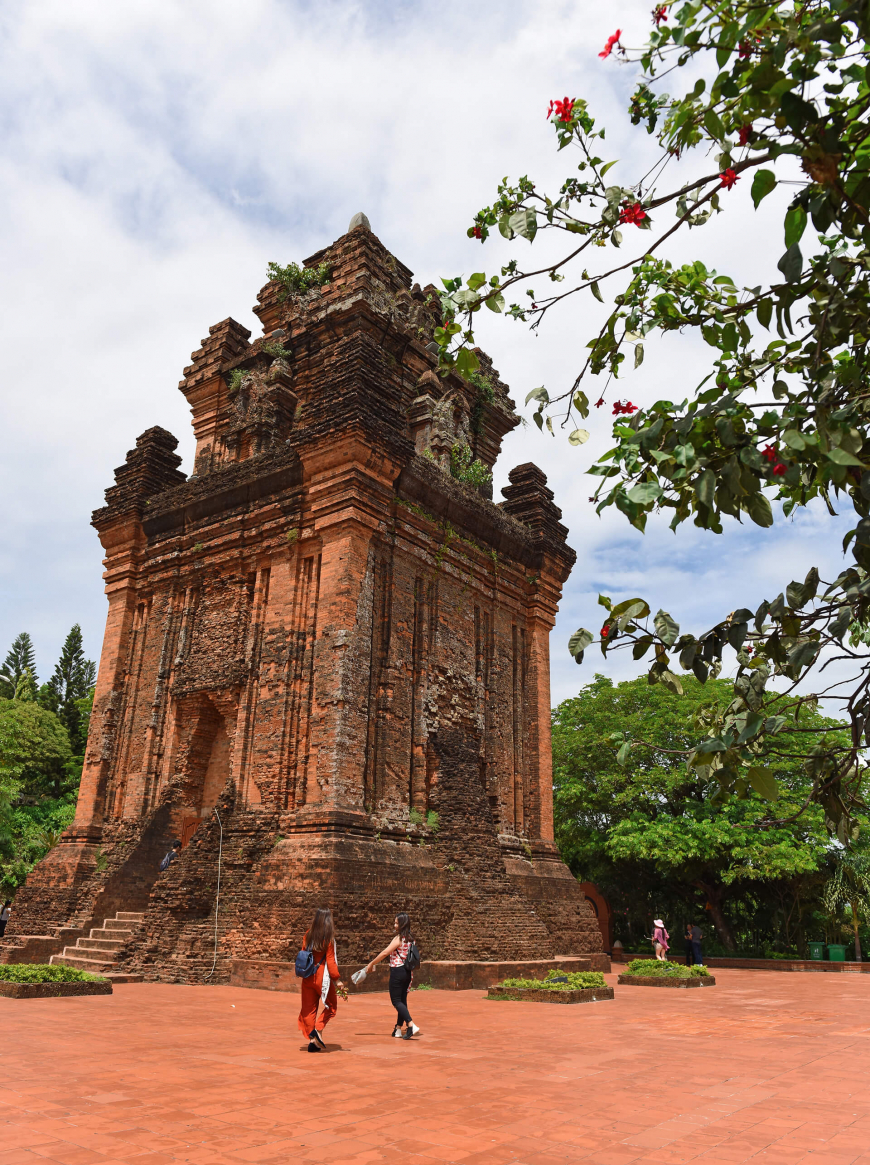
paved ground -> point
(764, 1067)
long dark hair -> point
(321, 932)
(404, 927)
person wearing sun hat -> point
(660, 940)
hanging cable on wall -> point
(218, 895)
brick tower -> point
(333, 642)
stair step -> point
(130, 916)
(115, 924)
(124, 977)
(100, 944)
(96, 967)
(110, 935)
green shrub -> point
(295, 279)
(465, 467)
(577, 981)
(44, 973)
(657, 967)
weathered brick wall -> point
(330, 640)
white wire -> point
(218, 895)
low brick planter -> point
(545, 995)
(665, 981)
(53, 990)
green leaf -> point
(466, 362)
(638, 355)
(596, 291)
(759, 510)
(476, 280)
(764, 783)
(622, 755)
(540, 394)
(578, 643)
(607, 166)
(578, 437)
(627, 604)
(524, 222)
(581, 403)
(764, 311)
(671, 682)
(713, 125)
(644, 492)
(804, 654)
(841, 457)
(641, 647)
(791, 264)
(666, 627)
(762, 184)
(795, 222)
(705, 487)
(495, 302)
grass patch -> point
(45, 973)
(567, 981)
(671, 970)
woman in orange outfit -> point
(323, 985)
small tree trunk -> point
(855, 931)
(715, 912)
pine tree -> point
(20, 658)
(73, 677)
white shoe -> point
(397, 1032)
(414, 1030)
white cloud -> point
(156, 154)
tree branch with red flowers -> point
(783, 414)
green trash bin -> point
(836, 952)
(817, 950)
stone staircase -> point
(99, 953)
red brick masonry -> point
(328, 642)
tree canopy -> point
(652, 825)
(776, 93)
(19, 658)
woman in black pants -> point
(400, 976)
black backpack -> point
(412, 959)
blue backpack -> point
(305, 964)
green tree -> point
(35, 755)
(19, 658)
(849, 885)
(629, 807)
(70, 683)
(771, 91)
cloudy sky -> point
(155, 156)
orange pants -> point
(311, 992)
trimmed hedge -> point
(576, 981)
(45, 973)
(671, 970)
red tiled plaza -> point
(763, 1067)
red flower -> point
(478, 233)
(744, 49)
(745, 131)
(624, 407)
(599, 403)
(659, 14)
(564, 109)
(729, 178)
(770, 452)
(779, 470)
(634, 213)
(611, 41)
(605, 630)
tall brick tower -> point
(333, 642)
